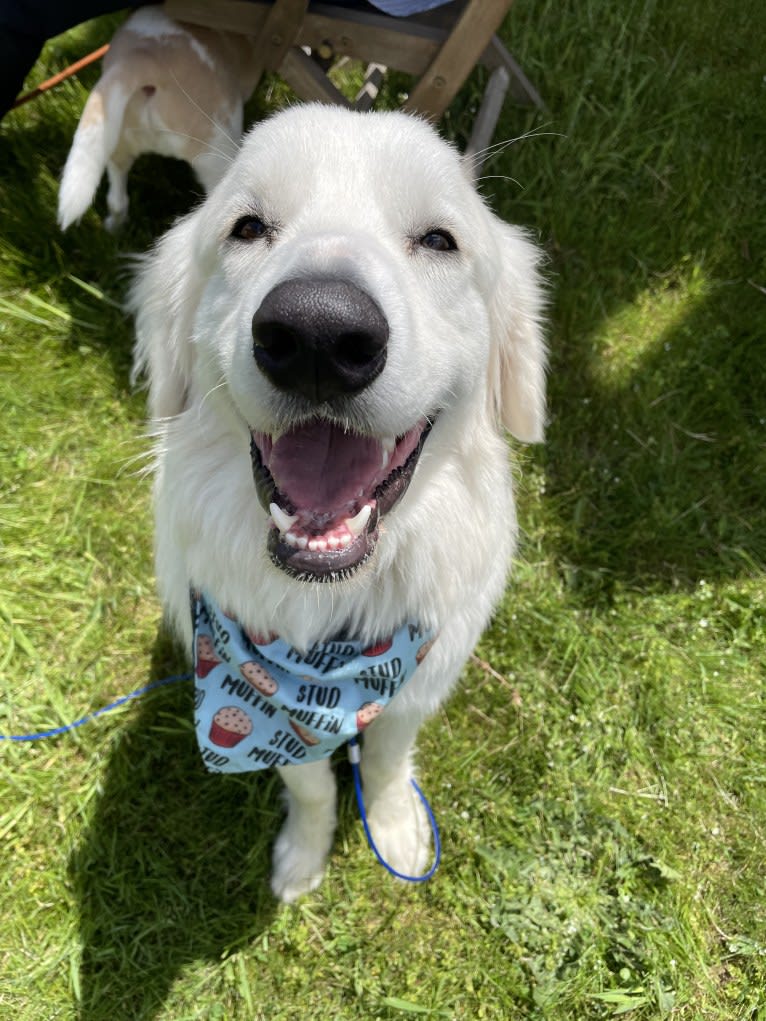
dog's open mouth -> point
(326, 491)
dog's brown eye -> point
(438, 241)
(249, 228)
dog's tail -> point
(95, 140)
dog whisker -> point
(212, 390)
(127, 466)
(499, 177)
(481, 155)
(210, 148)
(504, 143)
(216, 124)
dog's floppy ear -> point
(518, 356)
(163, 299)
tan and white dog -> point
(334, 340)
(167, 88)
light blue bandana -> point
(260, 703)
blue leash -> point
(98, 712)
(354, 756)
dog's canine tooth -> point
(281, 519)
(387, 446)
(357, 524)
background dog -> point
(167, 88)
(347, 322)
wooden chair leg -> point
(308, 80)
(521, 88)
(438, 86)
(486, 119)
(368, 93)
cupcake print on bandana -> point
(206, 659)
(261, 703)
(230, 726)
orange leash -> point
(61, 76)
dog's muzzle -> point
(323, 341)
(327, 489)
(320, 338)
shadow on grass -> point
(660, 482)
(84, 273)
(173, 867)
(651, 469)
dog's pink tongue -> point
(323, 469)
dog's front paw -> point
(298, 869)
(300, 855)
(400, 830)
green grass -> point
(601, 780)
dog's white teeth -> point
(338, 538)
(281, 519)
(296, 541)
(388, 446)
(358, 523)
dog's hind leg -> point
(117, 169)
(398, 823)
(301, 849)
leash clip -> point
(354, 752)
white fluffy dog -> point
(167, 88)
(334, 340)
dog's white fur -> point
(167, 88)
(348, 193)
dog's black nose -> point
(320, 338)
